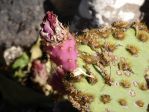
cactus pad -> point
(118, 59)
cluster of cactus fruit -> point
(100, 70)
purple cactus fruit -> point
(40, 74)
(59, 44)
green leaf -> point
(21, 62)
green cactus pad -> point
(118, 64)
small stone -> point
(12, 53)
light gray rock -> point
(109, 10)
(12, 53)
(101, 12)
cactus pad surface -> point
(118, 59)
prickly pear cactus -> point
(101, 70)
(116, 59)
